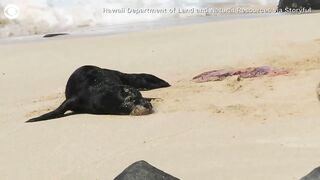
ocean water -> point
(45, 16)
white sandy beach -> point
(261, 128)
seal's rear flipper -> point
(59, 112)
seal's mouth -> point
(139, 110)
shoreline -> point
(100, 30)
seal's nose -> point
(147, 105)
(139, 110)
(143, 108)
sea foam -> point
(43, 16)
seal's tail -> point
(57, 113)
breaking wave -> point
(43, 16)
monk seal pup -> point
(94, 90)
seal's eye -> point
(130, 99)
(126, 90)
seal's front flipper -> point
(143, 82)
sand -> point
(262, 128)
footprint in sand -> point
(237, 109)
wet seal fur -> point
(94, 90)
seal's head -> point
(143, 108)
(134, 103)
